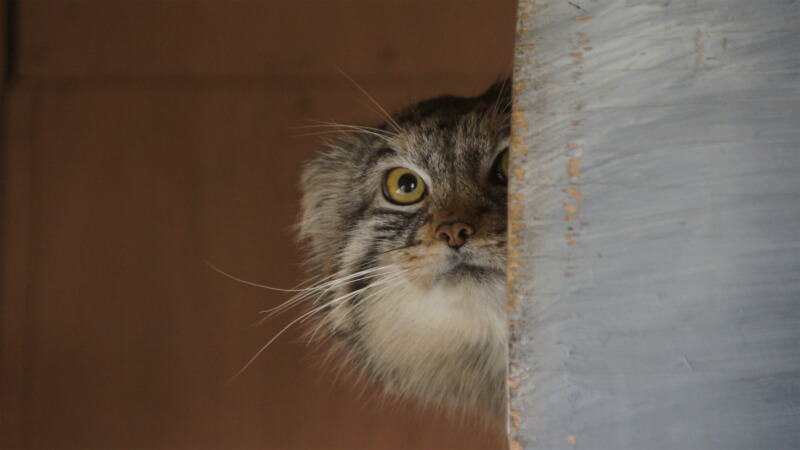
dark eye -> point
(499, 172)
(403, 187)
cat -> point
(404, 227)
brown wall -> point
(142, 138)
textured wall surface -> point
(655, 212)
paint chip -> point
(575, 194)
(515, 420)
(572, 167)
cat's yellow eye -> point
(403, 186)
(500, 168)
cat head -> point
(407, 224)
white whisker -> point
(397, 281)
(322, 124)
(328, 286)
(303, 317)
(386, 115)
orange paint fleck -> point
(516, 206)
(512, 303)
(518, 145)
(513, 384)
(519, 174)
(514, 445)
(571, 209)
(515, 421)
(570, 239)
(519, 121)
(570, 146)
(584, 18)
(576, 55)
(571, 440)
(575, 194)
(586, 49)
(572, 167)
(570, 218)
(575, 123)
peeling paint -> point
(512, 302)
(575, 194)
(516, 206)
(519, 174)
(519, 122)
(515, 421)
(572, 167)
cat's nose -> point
(454, 232)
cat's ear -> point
(499, 90)
(498, 98)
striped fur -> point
(416, 316)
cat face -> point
(409, 221)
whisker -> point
(322, 123)
(313, 287)
(389, 119)
(250, 283)
(322, 133)
(301, 319)
(397, 281)
(258, 353)
(496, 108)
(328, 286)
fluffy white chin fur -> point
(445, 343)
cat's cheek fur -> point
(445, 344)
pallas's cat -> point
(405, 227)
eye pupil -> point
(403, 187)
(407, 183)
